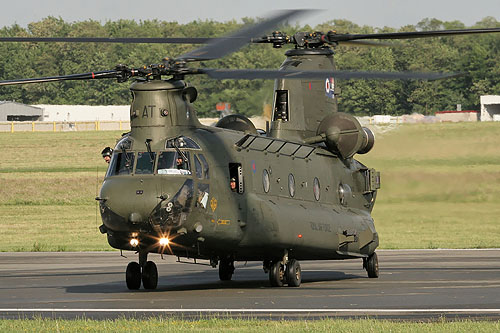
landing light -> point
(164, 241)
(134, 242)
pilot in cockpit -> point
(181, 164)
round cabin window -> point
(316, 188)
(344, 193)
(291, 185)
(265, 180)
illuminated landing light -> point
(134, 242)
(164, 241)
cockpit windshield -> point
(145, 163)
(173, 163)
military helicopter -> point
(230, 193)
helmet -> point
(106, 152)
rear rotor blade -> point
(251, 74)
(113, 74)
(225, 45)
(362, 43)
(159, 40)
(406, 35)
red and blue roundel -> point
(330, 87)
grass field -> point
(48, 182)
(240, 325)
(440, 187)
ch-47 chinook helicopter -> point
(230, 193)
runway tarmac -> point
(413, 284)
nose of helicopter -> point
(129, 202)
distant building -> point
(490, 108)
(458, 116)
(13, 111)
(72, 113)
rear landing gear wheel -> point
(149, 275)
(293, 273)
(226, 269)
(133, 276)
(372, 266)
(277, 274)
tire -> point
(277, 274)
(293, 273)
(372, 266)
(150, 275)
(133, 276)
(226, 269)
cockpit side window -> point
(145, 163)
(197, 166)
(121, 164)
(205, 166)
(172, 163)
(112, 165)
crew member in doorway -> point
(232, 184)
(106, 154)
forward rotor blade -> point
(411, 34)
(159, 40)
(225, 45)
(113, 74)
(250, 74)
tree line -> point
(477, 56)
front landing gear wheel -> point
(277, 274)
(372, 266)
(226, 269)
(149, 275)
(133, 276)
(293, 273)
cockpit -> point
(176, 159)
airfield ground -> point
(439, 190)
(439, 187)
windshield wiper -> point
(174, 143)
(127, 159)
(148, 147)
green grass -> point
(440, 187)
(48, 182)
(242, 325)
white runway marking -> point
(371, 311)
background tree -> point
(476, 56)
